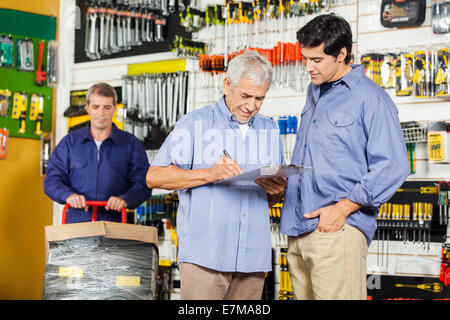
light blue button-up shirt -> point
(352, 138)
(221, 226)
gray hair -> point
(252, 65)
(102, 89)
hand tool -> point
(20, 102)
(440, 17)
(101, 35)
(419, 74)
(4, 134)
(5, 97)
(37, 111)
(6, 51)
(421, 190)
(46, 147)
(52, 50)
(41, 74)
(444, 274)
(412, 157)
(92, 33)
(159, 35)
(431, 287)
(442, 78)
(25, 55)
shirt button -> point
(314, 121)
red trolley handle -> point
(94, 205)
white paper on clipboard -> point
(249, 177)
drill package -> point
(423, 73)
(442, 77)
(387, 70)
(372, 66)
(100, 261)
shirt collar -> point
(86, 133)
(223, 109)
(354, 76)
(351, 79)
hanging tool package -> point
(402, 13)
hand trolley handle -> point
(94, 205)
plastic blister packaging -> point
(100, 268)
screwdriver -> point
(431, 287)
(422, 190)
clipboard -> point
(248, 177)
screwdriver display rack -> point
(398, 222)
(416, 213)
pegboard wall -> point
(21, 25)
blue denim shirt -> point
(221, 226)
(120, 172)
(352, 138)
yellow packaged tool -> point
(5, 97)
(37, 111)
(431, 287)
(387, 70)
(20, 101)
(404, 75)
(439, 142)
(442, 77)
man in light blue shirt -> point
(350, 134)
(223, 229)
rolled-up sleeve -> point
(386, 154)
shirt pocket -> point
(335, 131)
(78, 173)
(118, 175)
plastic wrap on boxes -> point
(100, 268)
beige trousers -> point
(328, 266)
(200, 283)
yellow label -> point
(72, 271)
(129, 281)
(166, 66)
(165, 262)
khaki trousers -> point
(328, 266)
(200, 283)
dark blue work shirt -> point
(119, 170)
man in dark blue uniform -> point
(98, 162)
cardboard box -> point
(100, 260)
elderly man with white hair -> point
(223, 229)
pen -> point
(226, 154)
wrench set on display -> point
(154, 100)
(114, 26)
